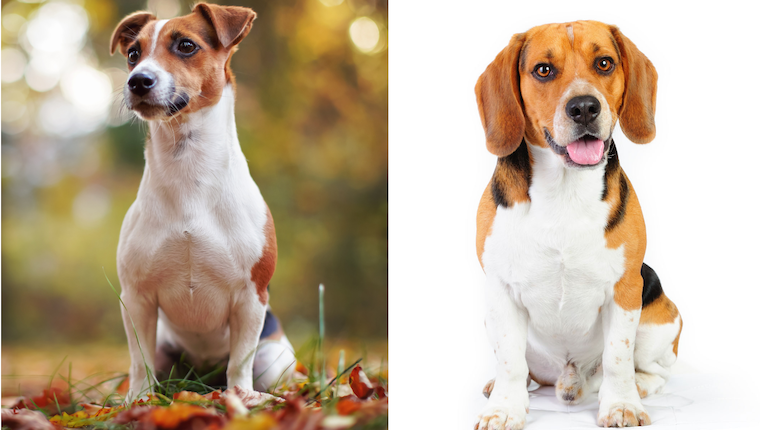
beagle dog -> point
(560, 233)
(197, 247)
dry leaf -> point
(25, 419)
(348, 405)
(360, 383)
(176, 414)
(50, 401)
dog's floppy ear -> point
(637, 112)
(128, 29)
(232, 23)
(499, 100)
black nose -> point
(583, 109)
(141, 83)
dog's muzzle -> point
(586, 151)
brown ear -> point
(499, 100)
(128, 29)
(232, 23)
(637, 112)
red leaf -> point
(347, 405)
(45, 401)
(214, 395)
(380, 392)
(360, 384)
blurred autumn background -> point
(312, 119)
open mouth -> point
(586, 151)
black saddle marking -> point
(652, 287)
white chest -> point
(196, 229)
(552, 253)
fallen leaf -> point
(360, 384)
(50, 401)
(301, 368)
(178, 413)
(134, 414)
(189, 396)
(259, 421)
(25, 419)
(348, 405)
(380, 392)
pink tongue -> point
(586, 150)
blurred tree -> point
(312, 119)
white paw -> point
(623, 414)
(648, 384)
(250, 398)
(502, 416)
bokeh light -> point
(13, 64)
(88, 89)
(164, 9)
(364, 33)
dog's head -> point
(180, 65)
(564, 86)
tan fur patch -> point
(262, 271)
(675, 342)
(486, 215)
(660, 311)
(631, 232)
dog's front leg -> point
(619, 401)
(140, 316)
(246, 322)
(507, 327)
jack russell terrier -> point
(560, 234)
(197, 248)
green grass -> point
(312, 390)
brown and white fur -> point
(561, 236)
(197, 247)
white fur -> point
(159, 25)
(187, 247)
(550, 306)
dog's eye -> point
(605, 65)
(543, 72)
(186, 47)
(133, 55)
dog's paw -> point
(249, 398)
(648, 384)
(623, 414)
(502, 416)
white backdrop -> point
(697, 184)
